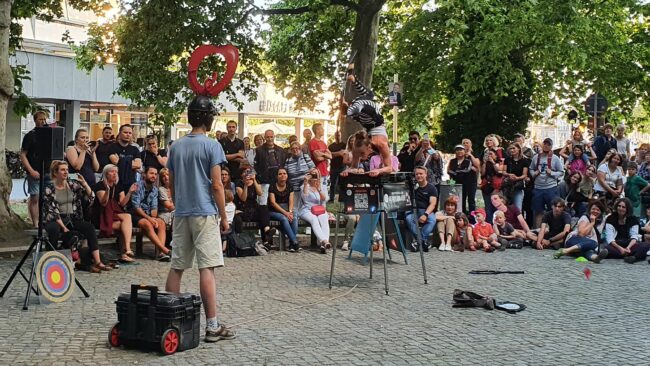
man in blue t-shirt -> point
(426, 198)
(196, 189)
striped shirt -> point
(364, 109)
(297, 168)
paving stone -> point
(569, 320)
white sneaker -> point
(448, 248)
(345, 245)
(441, 247)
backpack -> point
(240, 245)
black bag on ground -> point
(240, 245)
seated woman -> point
(622, 234)
(313, 210)
(63, 206)
(226, 179)
(112, 216)
(446, 224)
(248, 189)
(584, 239)
(609, 182)
(569, 190)
(165, 204)
(513, 217)
(281, 208)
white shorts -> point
(196, 238)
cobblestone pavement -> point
(569, 320)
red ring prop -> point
(210, 86)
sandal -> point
(126, 259)
(129, 253)
(103, 267)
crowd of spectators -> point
(588, 197)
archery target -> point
(55, 276)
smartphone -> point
(73, 176)
(92, 143)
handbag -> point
(318, 210)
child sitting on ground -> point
(506, 235)
(464, 235)
(484, 233)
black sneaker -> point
(268, 235)
(425, 248)
(629, 259)
(414, 246)
(291, 249)
(601, 255)
(220, 333)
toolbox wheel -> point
(114, 336)
(169, 342)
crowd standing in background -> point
(587, 196)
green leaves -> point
(152, 41)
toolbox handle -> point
(152, 289)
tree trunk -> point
(364, 42)
(9, 221)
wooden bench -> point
(252, 225)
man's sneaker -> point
(601, 255)
(291, 248)
(345, 246)
(425, 247)
(215, 335)
(630, 259)
(414, 246)
(163, 258)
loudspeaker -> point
(50, 142)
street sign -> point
(596, 103)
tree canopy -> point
(491, 66)
(469, 67)
(152, 41)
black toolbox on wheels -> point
(152, 318)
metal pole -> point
(596, 115)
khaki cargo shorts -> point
(196, 238)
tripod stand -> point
(40, 243)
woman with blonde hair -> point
(313, 209)
(112, 216)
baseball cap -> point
(548, 141)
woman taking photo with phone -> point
(313, 209)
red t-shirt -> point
(483, 229)
(318, 145)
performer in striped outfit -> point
(366, 111)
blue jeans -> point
(489, 208)
(518, 199)
(587, 246)
(288, 228)
(427, 228)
